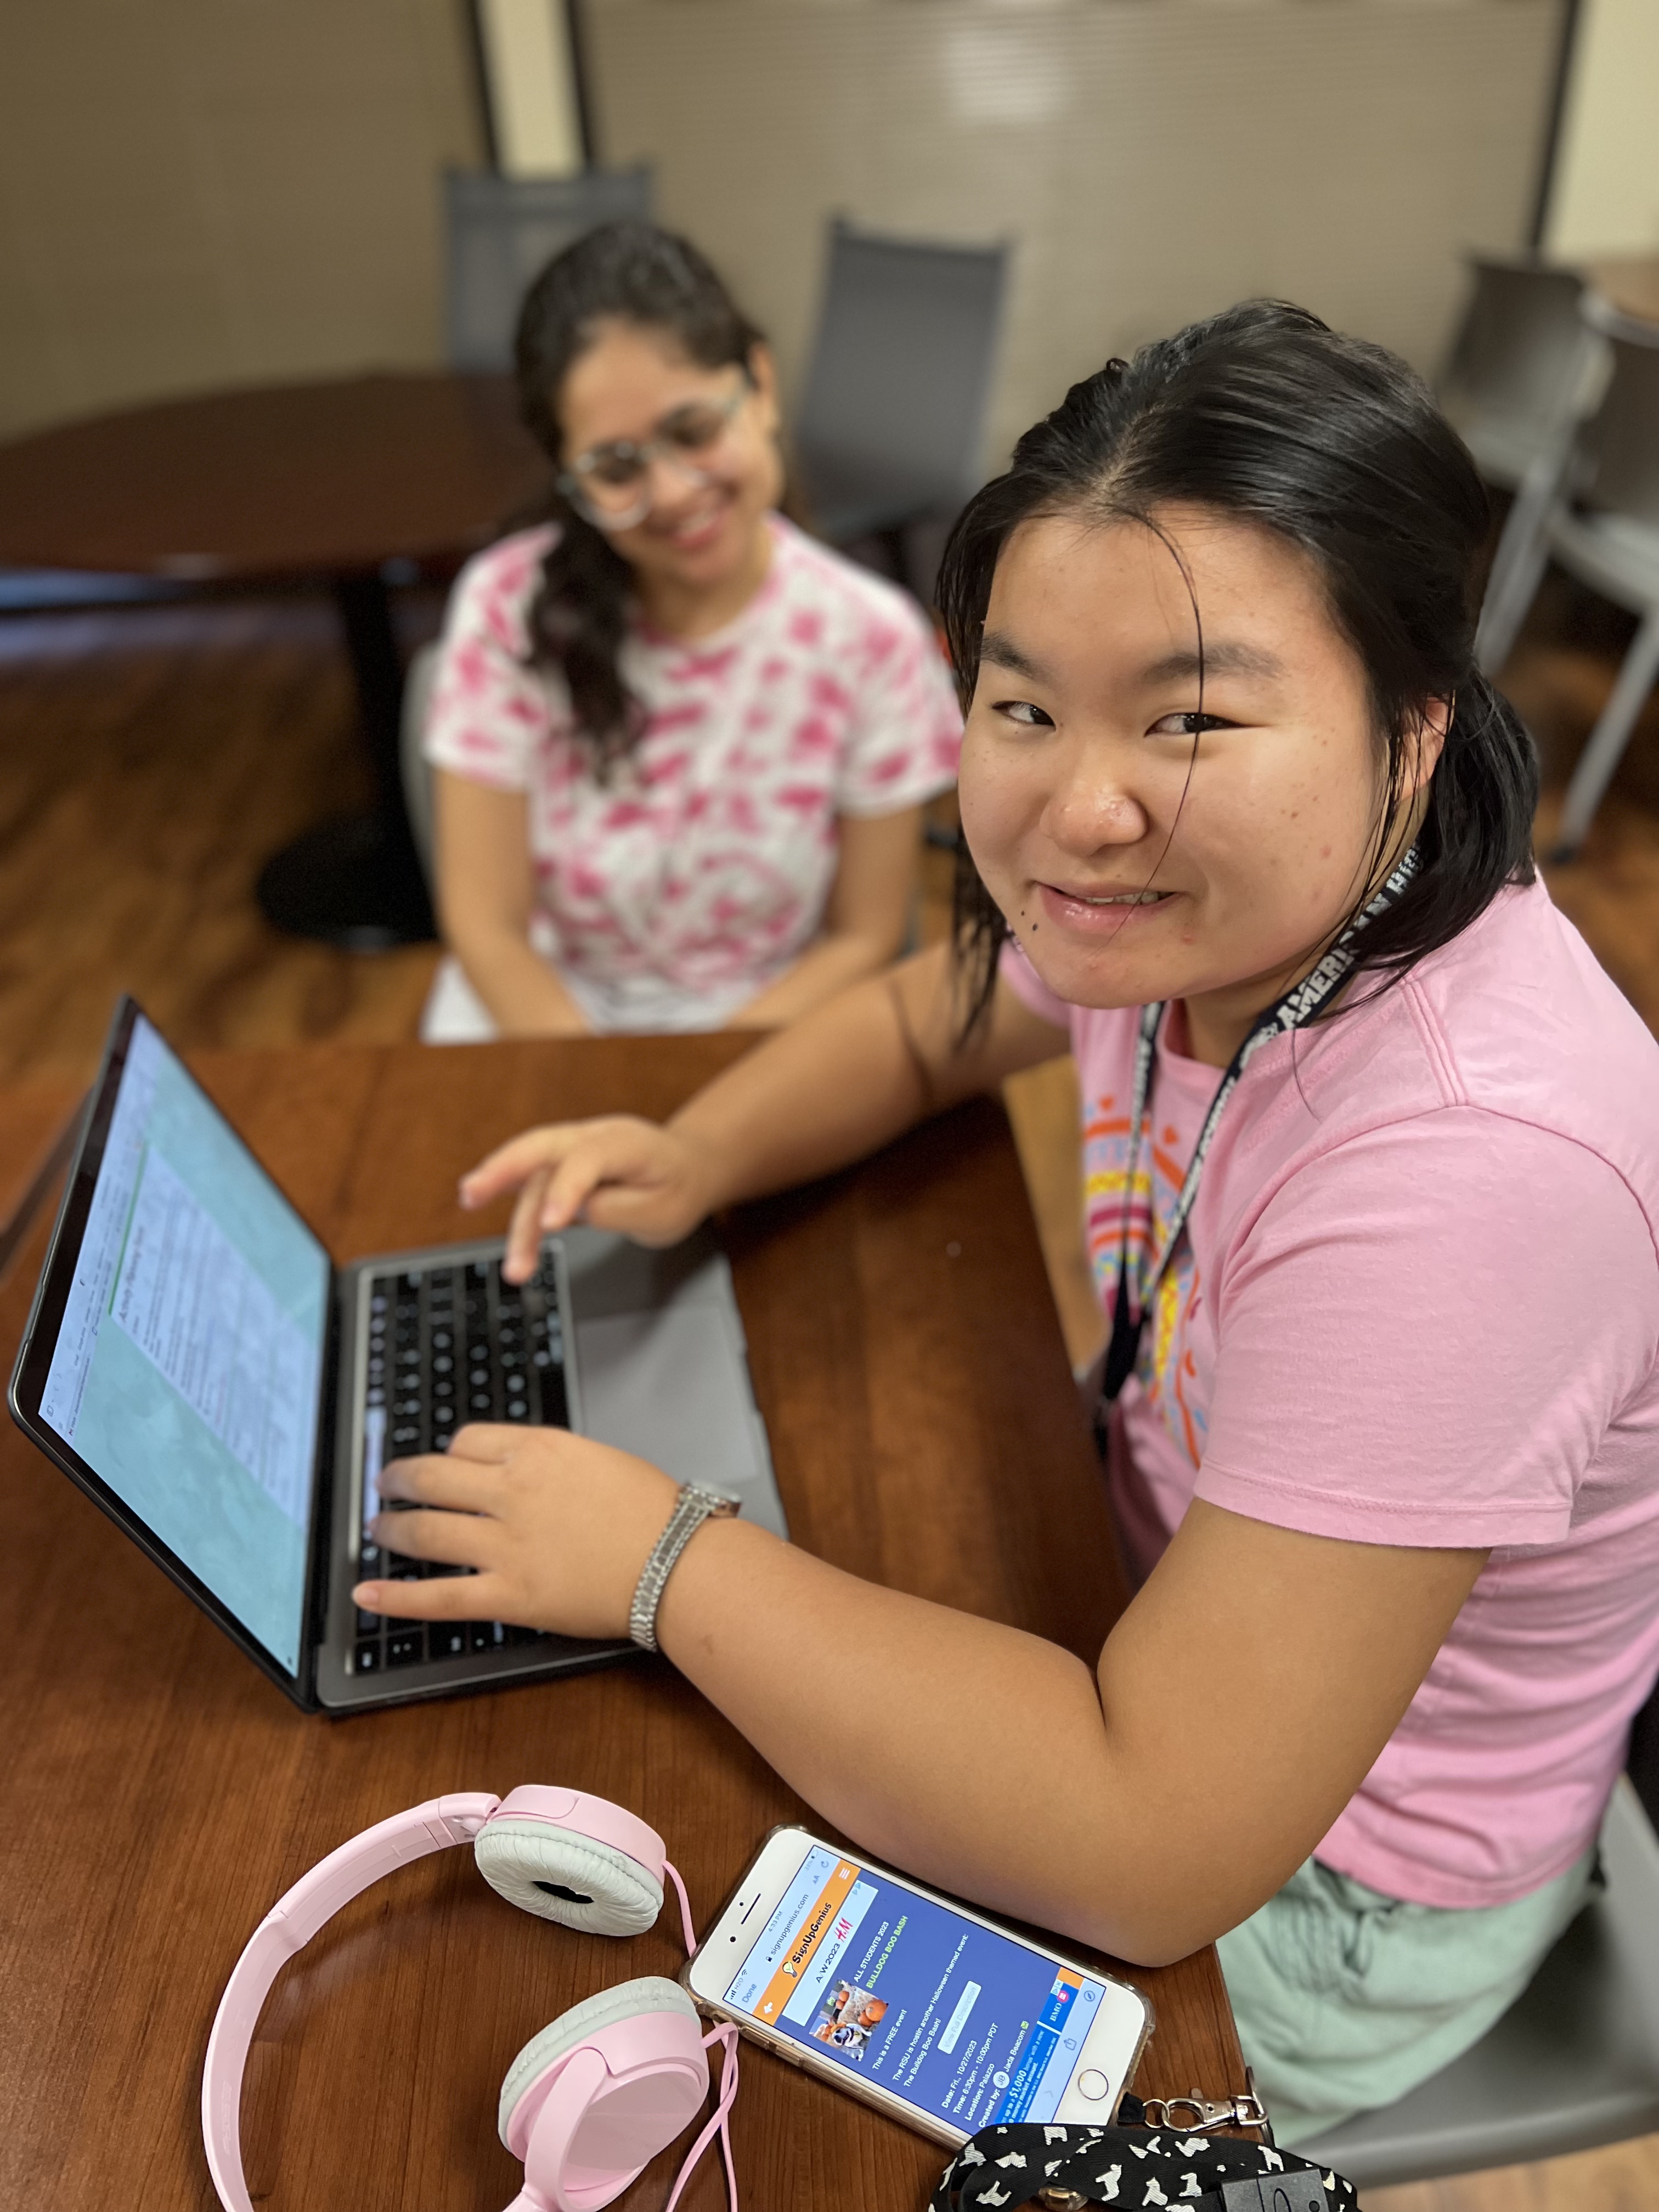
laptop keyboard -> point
(447, 1345)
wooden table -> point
(343, 481)
(160, 1793)
(1631, 284)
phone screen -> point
(973, 2026)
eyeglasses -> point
(611, 484)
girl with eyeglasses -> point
(680, 747)
(1372, 1197)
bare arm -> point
(831, 1088)
(863, 922)
(1145, 1808)
(1237, 1707)
(486, 895)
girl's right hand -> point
(617, 1172)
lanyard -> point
(1299, 1004)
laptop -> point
(196, 1364)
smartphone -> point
(946, 2021)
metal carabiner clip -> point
(1207, 2112)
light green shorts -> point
(1346, 1999)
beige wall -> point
(1605, 198)
(1152, 161)
(196, 192)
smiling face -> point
(1132, 866)
(707, 518)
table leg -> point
(357, 881)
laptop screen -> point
(188, 1366)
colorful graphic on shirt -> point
(1166, 1369)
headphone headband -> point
(288, 1927)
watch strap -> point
(696, 1504)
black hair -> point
(1265, 414)
(630, 272)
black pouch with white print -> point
(1068, 2169)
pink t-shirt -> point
(673, 891)
(1419, 1304)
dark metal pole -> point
(1570, 12)
(481, 83)
(576, 35)
(357, 882)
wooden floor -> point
(152, 758)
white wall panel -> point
(202, 192)
(1605, 194)
(1153, 160)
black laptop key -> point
(445, 1349)
(366, 1659)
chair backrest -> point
(1619, 447)
(1574, 2062)
(416, 769)
(502, 231)
(1516, 361)
(894, 411)
(1643, 1764)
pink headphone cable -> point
(719, 2120)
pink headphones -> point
(589, 2102)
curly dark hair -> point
(630, 272)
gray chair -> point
(1524, 369)
(1575, 2061)
(417, 769)
(890, 426)
(503, 231)
(1600, 523)
(1514, 364)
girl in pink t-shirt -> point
(1373, 1197)
(680, 747)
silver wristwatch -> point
(696, 1504)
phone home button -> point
(1093, 2084)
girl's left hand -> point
(557, 1526)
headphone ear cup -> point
(560, 1875)
(651, 1994)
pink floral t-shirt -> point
(674, 891)
(1418, 1304)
